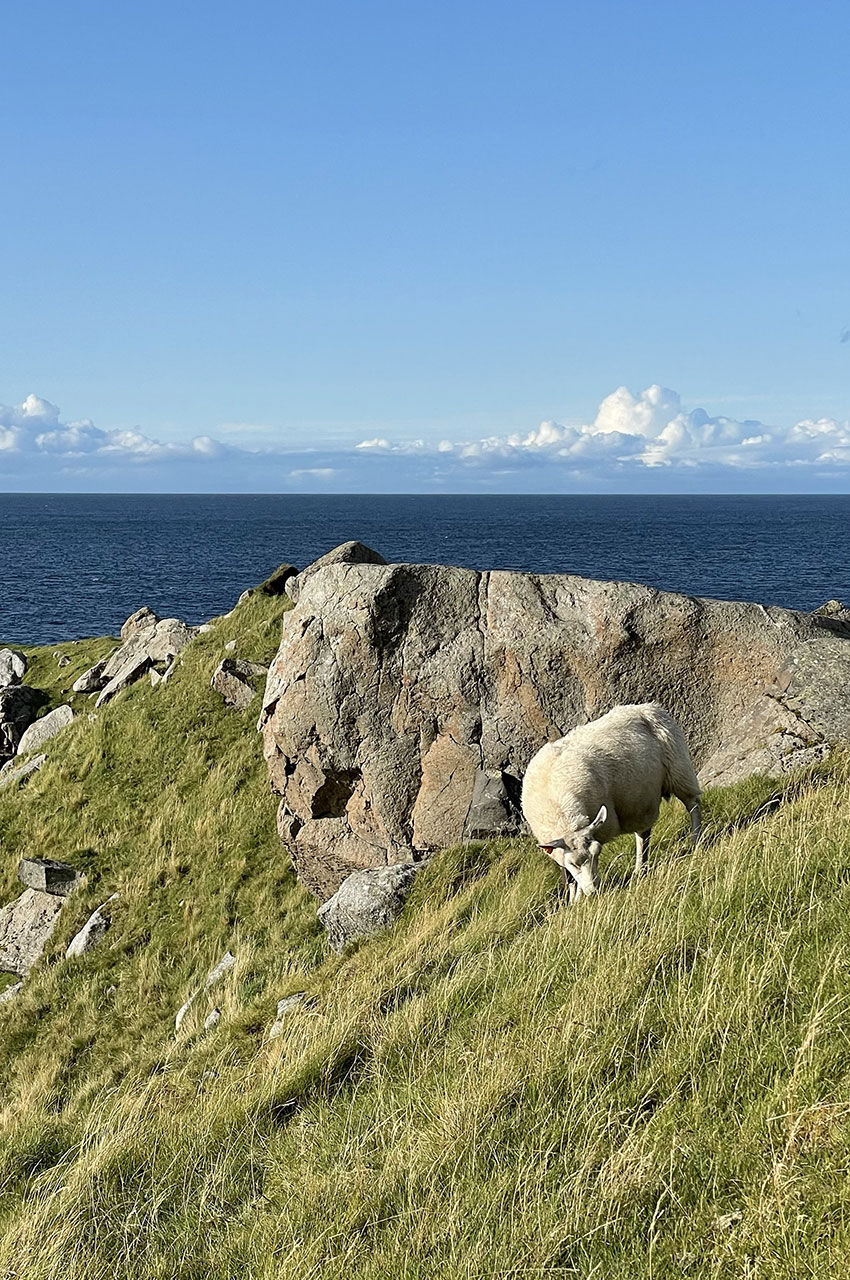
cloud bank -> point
(648, 441)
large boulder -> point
(396, 687)
(366, 903)
(41, 731)
(232, 679)
(13, 666)
(345, 553)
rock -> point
(275, 583)
(347, 553)
(396, 687)
(212, 1019)
(142, 620)
(494, 809)
(41, 731)
(148, 643)
(18, 705)
(135, 666)
(230, 679)
(92, 680)
(13, 667)
(221, 970)
(246, 595)
(13, 773)
(230, 646)
(25, 928)
(92, 931)
(301, 1002)
(48, 876)
(62, 659)
(182, 1011)
(366, 903)
(11, 992)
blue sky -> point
(347, 246)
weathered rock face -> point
(366, 903)
(148, 642)
(25, 928)
(396, 687)
(17, 711)
(232, 678)
(13, 666)
(347, 553)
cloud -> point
(636, 442)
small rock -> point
(230, 646)
(133, 668)
(726, 1221)
(156, 678)
(203, 628)
(41, 731)
(92, 931)
(212, 1019)
(230, 679)
(13, 666)
(493, 810)
(301, 1002)
(183, 1010)
(366, 903)
(219, 971)
(11, 992)
(12, 773)
(246, 595)
(49, 876)
(62, 660)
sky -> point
(388, 246)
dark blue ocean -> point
(77, 565)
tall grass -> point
(653, 1083)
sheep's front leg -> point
(641, 851)
(695, 810)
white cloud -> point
(634, 441)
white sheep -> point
(618, 767)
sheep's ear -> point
(599, 820)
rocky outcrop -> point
(41, 731)
(13, 666)
(27, 924)
(405, 701)
(18, 705)
(150, 643)
(366, 903)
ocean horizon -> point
(78, 564)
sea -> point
(74, 565)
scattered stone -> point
(150, 641)
(12, 773)
(275, 583)
(212, 1019)
(62, 659)
(11, 992)
(230, 646)
(246, 595)
(13, 667)
(219, 971)
(203, 628)
(230, 679)
(347, 553)
(182, 1011)
(366, 903)
(46, 875)
(25, 928)
(135, 666)
(92, 931)
(41, 731)
(301, 1002)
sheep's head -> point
(578, 853)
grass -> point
(655, 1083)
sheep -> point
(618, 767)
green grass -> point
(654, 1083)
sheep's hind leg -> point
(641, 851)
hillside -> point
(655, 1083)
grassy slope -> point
(652, 1084)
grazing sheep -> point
(619, 768)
